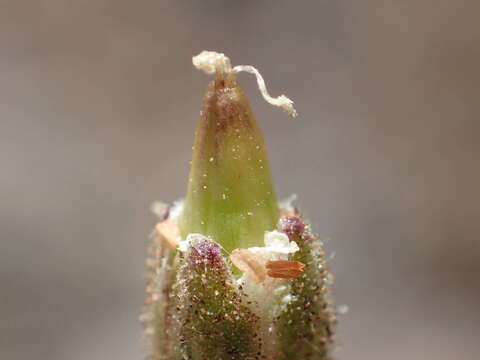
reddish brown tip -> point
(205, 252)
(292, 225)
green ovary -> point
(230, 193)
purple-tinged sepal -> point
(214, 319)
(305, 326)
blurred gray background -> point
(98, 104)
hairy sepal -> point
(305, 325)
(215, 322)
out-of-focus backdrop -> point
(98, 104)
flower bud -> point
(279, 307)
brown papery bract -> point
(248, 263)
(169, 232)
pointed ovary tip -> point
(212, 62)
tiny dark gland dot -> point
(292, 225)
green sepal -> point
(305, 326)
(215, 323)
(158, 316)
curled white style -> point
(211, 62)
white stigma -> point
(211, 62)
